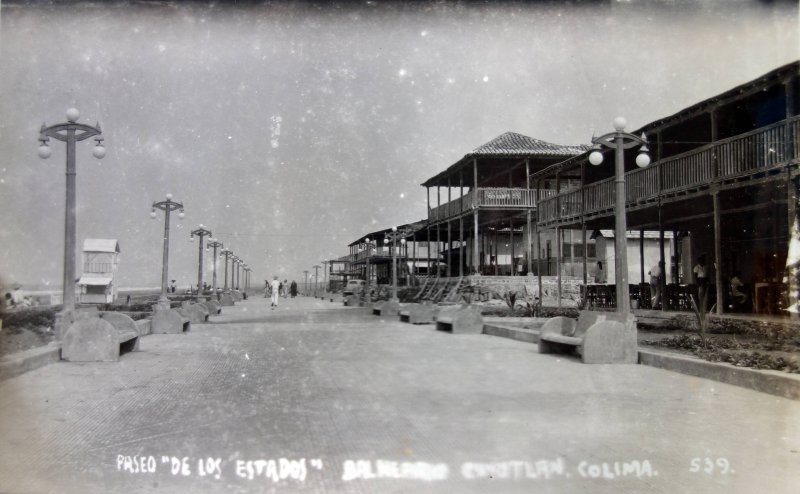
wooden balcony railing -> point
(98, 267)
(489, 197)
(725, 159)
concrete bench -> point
(99, 337)
(169, 321)
(351, 301)
(460, 319)
(196, 313)
(213, 307)
(226, 300)
(386, 308)
(424, 313)
(599, 337)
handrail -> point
(760, 148)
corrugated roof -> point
(100, 245)
(513, 144)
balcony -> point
(726, 160)
(489, 197)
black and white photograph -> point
(399, 247)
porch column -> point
(791, 187)
(641, 254)
(539, 258)
(511, 234)
(585, 254)
(460, 246)
(717, 252)
(449, 251)
(438, 250)
(558, 263)
(428, 269)
(528, 239)
(476, 247)
(661, 262)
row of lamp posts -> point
(237, 264)
(71, 132)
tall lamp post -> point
(234, 270)
(70, 132)
(200, 232)
(325, 267)
(226, 253)
(619, 141)
(306, 283)
(316, 278)
(167, 206)
(393, 237)
(214, 244)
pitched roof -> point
(100, 245)
(513, 144)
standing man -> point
(701, 280)
(285, 288)
(656, 273)
(276, 286)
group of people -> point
(277, 289)
(700, 274)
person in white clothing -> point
(276, 285)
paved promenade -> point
(315, 397)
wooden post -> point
(539, 258)
(559, 232)
(641, 254)
(717, 252)
(511, 236)
(528, 239)
(585, 254)
(791, 188)
(449, 250)
(476, 247)
(460, 246)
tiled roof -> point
(514, 144)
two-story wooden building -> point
(484, 218)
(723, 180)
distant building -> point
(100, 259)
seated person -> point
(736, 289)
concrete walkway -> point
(316, 397)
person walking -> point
(276, 287)
(285, 288)
(293, 289)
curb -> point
(514, 333)
(766, 381)
(19, 363)
(771, 382)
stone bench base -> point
(460, 319)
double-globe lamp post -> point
(200, 232)
(167, 206)
(393, 236)
(226, 253)
(619, 141)
(316, 278)
(70, 132)
(214, 244)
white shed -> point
(100, 259)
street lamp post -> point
(235, 269)
(200, 232)
(394, 236)
(226, 253)
(325, 267)
(167, 206)
(619, 141)
(214, 244)
(306, 283)
(316, 278)
(70, 132)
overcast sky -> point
(290, 130)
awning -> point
(86, 280)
